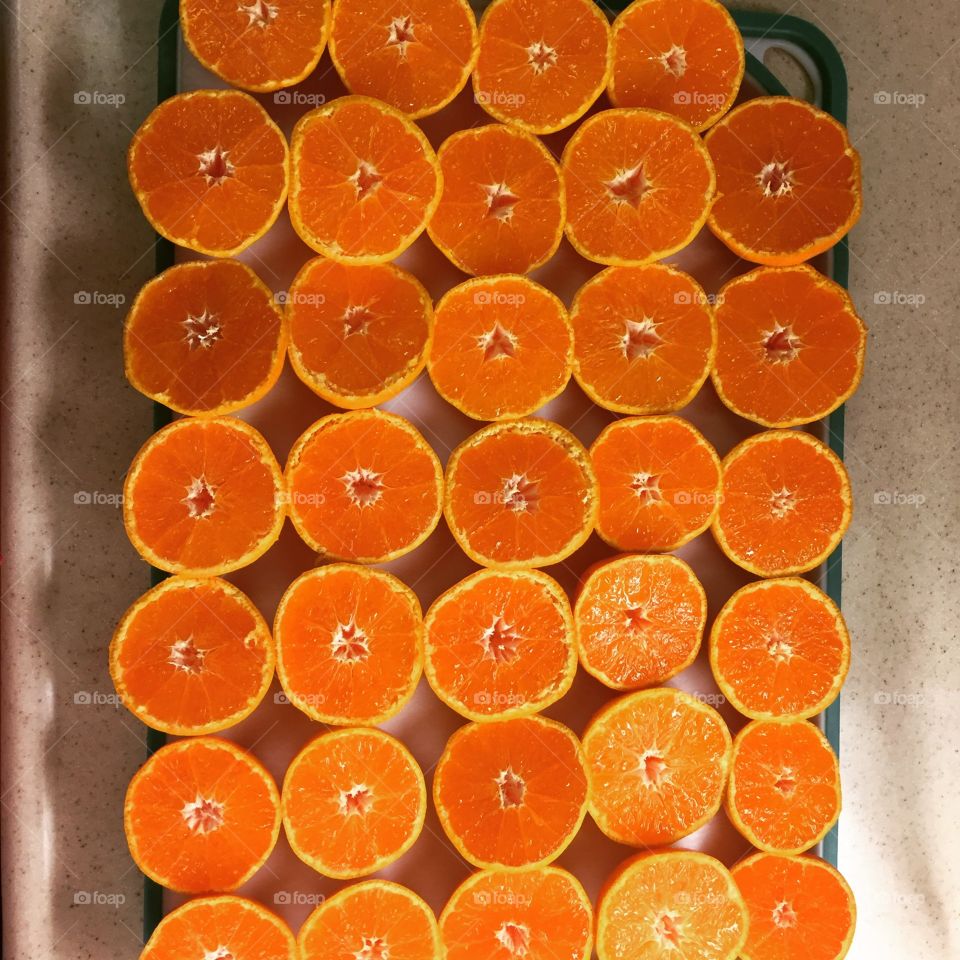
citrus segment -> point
(500, 644)
(683, 57)
(788, 180)
(511, 793)
(784, 791)
(260, 45)
(520, 493)
(363, 486)
(644, 338)
(800, 908)
(658, 483)
(354, 801)
(639, 186)
(201, 815)
(780, 648)
(658, 762)
(785, 503)
(539, 914)
(204, 338)
(639, 620)
(349, 644)
(192, 656)
(542, 63)
(791, 346)
(364, 180)
(209, 170)
(502, 347)
(415, 56)
(359, 333)
(503, 206)
(203, 497)
(371, 920)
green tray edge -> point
(752, 24)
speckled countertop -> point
(80, 77)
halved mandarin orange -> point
(359, 333)
(353, 802)
(658, 483)
(416, 57)
(644, 338)
(203, 497)
(540, 914)
(668, 904)
(542, 63)
(800, 908)
(209, 170)
(260, 45)
(371, 920)
(221, 927)
(520, 494)
(511, 793)
(500, 644)
(192, 656)
(201, 815)
(349, 644)
(785, 503)
(658, 762)
(639, 620)
(791, 346)
(788, 181)
(683, 57)
(502, 347)
(784, 789)
(780, 649)
(204, 338)
(363, 486)
(503, 205)
(364, 180)
(639, 186)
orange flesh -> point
(204, 337)
(201, 815)
(348, 644)
(209, 169)
(538, 914)
(780, 648)
(500, 643)
(520, 494)
(639, 185)
(373, 920)
(502, 207)
(258, 44)
(415, 56)
(192, 656)
(364, 180)
(683, 57)
(791, 346)
(658, 762)
(203, 496)
(353, 801)
(511, 792)
(639, 620)
(784, 785)
(363, 486)
(358, 333)
(788, 180)
(658, 482)
(644, 338)
(542, 63)
(502, 347)
(800, 908)
(785, 503)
